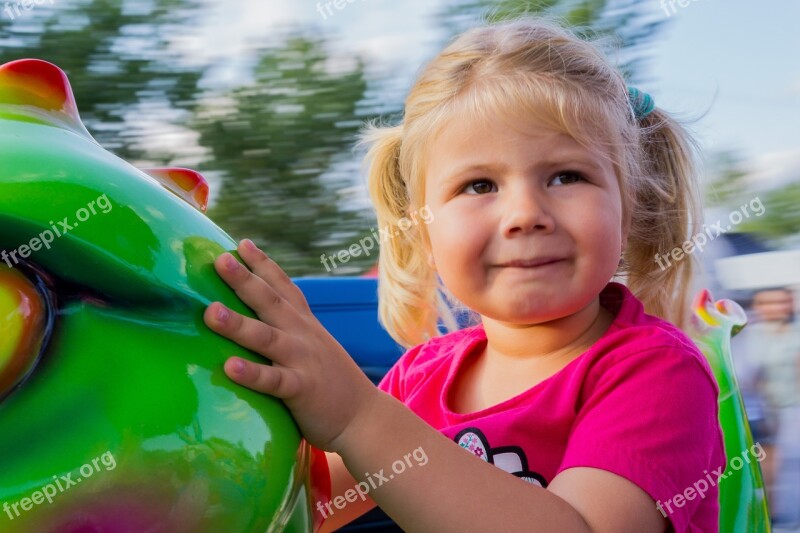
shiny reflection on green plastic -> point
(743, 503)
(127, 422)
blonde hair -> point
(532, 67)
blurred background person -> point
(772, 359)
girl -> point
(541, 171)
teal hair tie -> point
(642, 103)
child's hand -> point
(318, 381)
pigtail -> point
(665, 214)
(407, 287)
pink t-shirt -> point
(641, 403)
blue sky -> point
(741, 61)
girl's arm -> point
(341, 482)
(455, 491)
(339, 410)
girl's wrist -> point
(361, 430)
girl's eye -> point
(481, 186)
(568, 177)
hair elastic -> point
(642, 104)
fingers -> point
(268, 270)
(249, 333)
(254, 291)
(280, 382)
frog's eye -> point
(24, 325)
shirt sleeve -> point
(652, 418)
(395, 380)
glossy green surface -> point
(128, 374)
(743, 505)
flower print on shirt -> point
(512, 459)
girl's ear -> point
(431, 262)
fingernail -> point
(249, 245)
(238, 366)
(231, 263)
(222, 314)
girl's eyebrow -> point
(460, 171)
(556, 160)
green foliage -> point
(729, 188)
(277, 142)
(631, 25)
(781, 218)
(727, 182)
(118, 59)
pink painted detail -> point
(187, 184)
(39, 91)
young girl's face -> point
(505, 199)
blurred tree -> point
(632, 25)
(728, 187)
(726, 179)
(116, 55)
(781, 218)
(281, 145)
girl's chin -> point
(518, 315)
(529, 305)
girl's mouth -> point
(531, 263)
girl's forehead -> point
(479, 140)
(516, 103)
(467, 123)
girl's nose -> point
(525, 212)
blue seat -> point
(348, 308)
